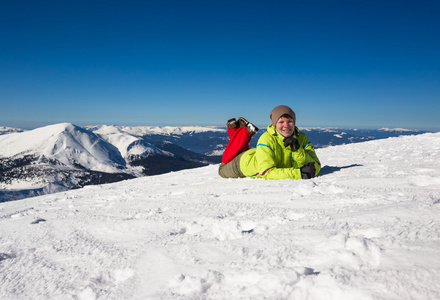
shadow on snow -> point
(331, 169)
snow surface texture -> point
(367, 228)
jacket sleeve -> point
(268, 164)
(306, 154)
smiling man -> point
(282, 152)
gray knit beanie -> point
(280, 110)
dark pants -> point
(231, 169)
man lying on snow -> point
(282, 151)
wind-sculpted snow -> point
(367, 228)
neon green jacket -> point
(271, 160)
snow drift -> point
(367, 228)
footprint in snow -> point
(39, 220)
(351, 251)
(5, 256)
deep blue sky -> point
(364, 64)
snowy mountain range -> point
(368, 227)
(4, 130)
(65, 156)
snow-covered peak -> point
(70, 144)
(320, 129)
(5, 130)
(395, 129)
(338, 129)
(169, 130)
(127, 143)
(104, 129)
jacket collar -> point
(273, 132)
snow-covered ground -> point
(367, 228)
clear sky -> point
(350, 63)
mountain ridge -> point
(64, 156)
